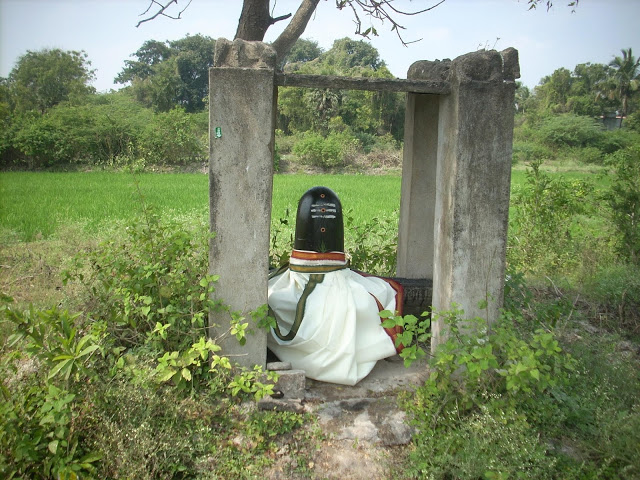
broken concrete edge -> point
(243, 54)
(479, 66)
(482, 65)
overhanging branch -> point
(162, 8)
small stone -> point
(281, 405)
(278, 366)
(291, 383)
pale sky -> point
(105, 29)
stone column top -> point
(243, 54)
(482, 66)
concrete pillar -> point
(417, 199)
(419, 165)
(475, 135)
(242, 126)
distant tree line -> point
(591, 89)
(51, 116)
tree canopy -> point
(626, 77)
(170, 73)
(43, 79)
(256, 17)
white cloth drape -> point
(341, 337)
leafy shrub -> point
(106, 397)
(589, 155)
(285, 142)
(482, 445)
(145, 432)
(570, 131)
(601, 415)
(329, 152)
(373, 245)
(632, 122)
(39, 437)
(615, 295)
(530, 152)
(156, 274)
(540, 228)
(623, 199)
(106, 130)
(618, 139)
(174, 138)
(467, 414)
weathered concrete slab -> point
(242, 129)
(440, 87)
(473, 179)
(456, 180)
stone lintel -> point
(437, 87)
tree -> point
(346, 54)
(554, 90)
(256, 18)
(43, 79)
(303, 51)
(372, 113)
(151, 53)
(626, 77)
(171, 73)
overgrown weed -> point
(132, 386)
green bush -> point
(469, 414)
(174, 138)
(589, 155)
(600, 410)
(623, 199)
(632, 122)
(110, 130)
(618, 139)
(144, 432)
(545, 207)
(615, 293)
(530, 151)
(155, 275)
(332, 151)
(570, 131)
(109, 393)
(39, 436)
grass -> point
(588, 430)
(35, 205)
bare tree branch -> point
(381, 10)
(162, 8)
(281, 17)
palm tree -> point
(626, 77)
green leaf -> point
(55, 370)
(53, 446)
(91, 457)
(186, 374)
(389, 323)
(167, 374)
(88, 350)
